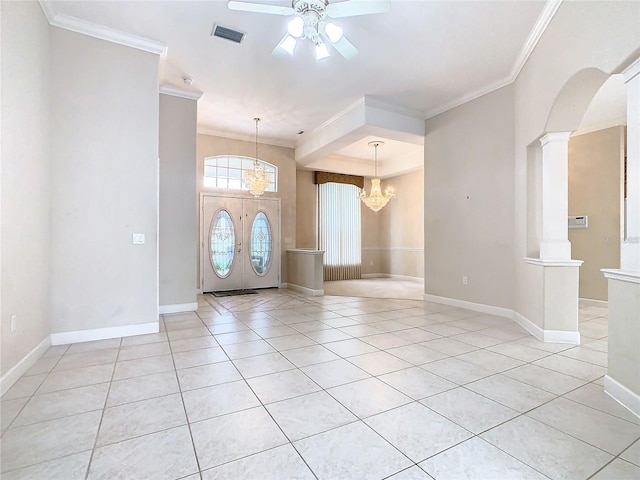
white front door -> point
(240, 244)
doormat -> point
(233, 293)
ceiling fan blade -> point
(343, 46)
(260, 8)
(351, 8)
(346, 48)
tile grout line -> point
(550, 354)
(186, 416)
(106, 399)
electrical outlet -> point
(371, 263)
(14, 321)
(465, 280)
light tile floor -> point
(282, 386)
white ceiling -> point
(420, 58)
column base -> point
(554, 288)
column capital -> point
(555, 137)
(631, 71)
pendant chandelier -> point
(376, 199)
(257, 180)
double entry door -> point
(240, 244)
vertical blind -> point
(339, 230)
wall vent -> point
(227, 33)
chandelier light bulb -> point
(295, 27)
(333, 31)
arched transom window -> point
(225, 171)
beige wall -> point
(468, 204)
(595, 181)
(282, 157)
(392, 239)
(25, 232)
(305, 210)
(104, 184)
(178, 223)
(395, 235)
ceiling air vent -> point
(227, 34)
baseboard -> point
(407, 278)
(476, 307)
(621, 394)
(394, 276)
(588, 302)
(550, 336)
(79, 336)
(20, 368)
(547, 336)
(178, 308)
(562, 336)
(306, 291)
(528, 325)
(283, 285)
(199, 291)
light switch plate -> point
(138, 238)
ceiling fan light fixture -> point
(334, 32)
(296, 27)
(321, 51)
(288, 44)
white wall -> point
(581, 35)
(393, 238)
(104, 184)
(178, 219)
(26, 175)
(468, 201)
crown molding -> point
(174, 91)
(467, 98)
(548, 12)
(632, 70)
(365, 101)
(338, 116)
(102, 32)
(204, 130)
(374, 102)
(47, 9)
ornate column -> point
(555, 243)
(555, 274)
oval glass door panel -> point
(261, 244)
(222, 244)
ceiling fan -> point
(309, 22)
